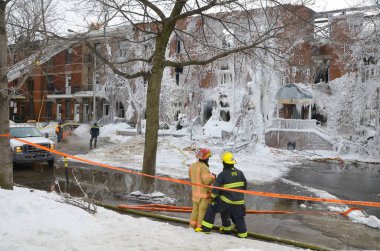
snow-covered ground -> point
(34, 220)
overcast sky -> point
(324, 5)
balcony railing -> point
(291, 124)
(71, 89)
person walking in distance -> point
(94, 131)
(199, 173)
(59, 132)
(227, 203)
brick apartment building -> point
(60, 88)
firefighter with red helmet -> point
(199, 173)
(227, 203)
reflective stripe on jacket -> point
(230, 178)
(199, 173)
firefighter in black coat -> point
(225, 202)
(94, 131)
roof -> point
(291, 94)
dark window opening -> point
(49, 109)
(369, 60)
(322, 72)
(107, 108)
(97, 47)
(67, 109)
(178, 71)
(177, 78)
(69, 56)
(207, 111)
(178, 44)
(225, 115)
(120, 110)
(49, 83)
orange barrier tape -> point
(250, 192)
(5, 135)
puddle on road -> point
(325, 230)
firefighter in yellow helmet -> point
(199, 173)
(226, 202)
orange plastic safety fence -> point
(250, 192)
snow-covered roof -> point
(291, 93)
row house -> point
(63, 85)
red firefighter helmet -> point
(203, 153)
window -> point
(97, 79)
(123, 48)
(178, 72)
(322, 72)
(49, 83)
(49, 62)
(69, 56)
(178, 44)
(228, 38)
(68, 109)
(68, 80)
(322, 29)
(355, 26)
(97, 47)
(49, 108)
(225, 78)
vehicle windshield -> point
(24, 132)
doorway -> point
(76, 113)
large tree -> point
(6, 168)
(28, 23)
(220, 28)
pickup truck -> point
(24, 153)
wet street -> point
(331, 231)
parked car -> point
(24, 153)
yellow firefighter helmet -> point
(228, 158)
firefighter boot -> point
(225, 230)
(200, 230)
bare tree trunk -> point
(6, 167)
(151, 135)
(152, 110)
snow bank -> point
(34, 220)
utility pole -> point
(94, 89)
(191, 119)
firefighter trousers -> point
(198, 212)
(237, 213)
(95, 139)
